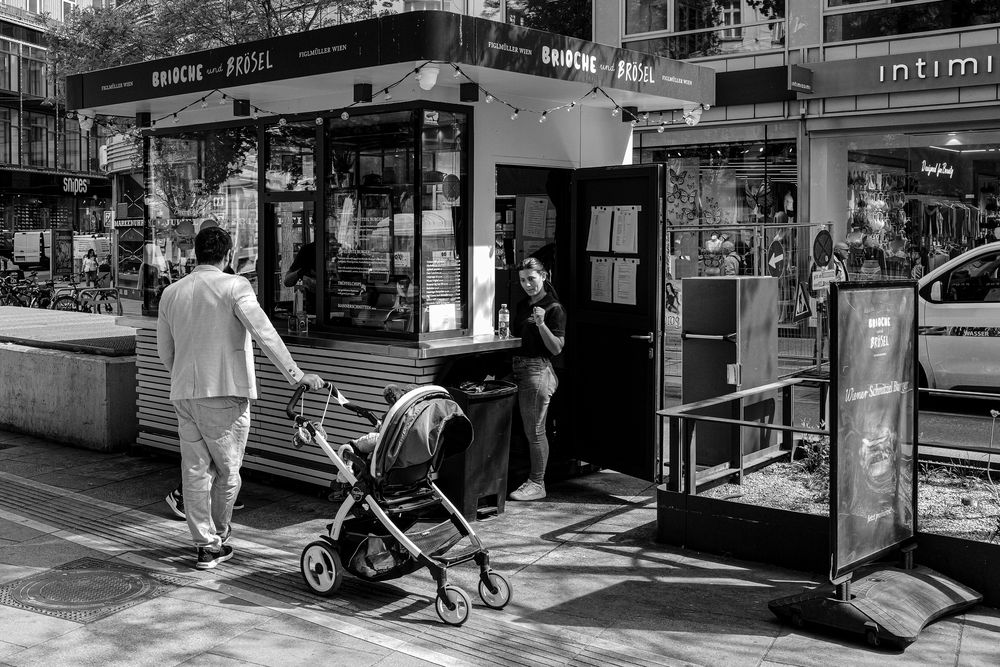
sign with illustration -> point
(873, 430)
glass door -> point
(291, 227)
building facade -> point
(875, 119)
(50, 177)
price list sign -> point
(873, 448)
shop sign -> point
(516, 49)
(873, 434)
(800, 79)
(333, 49)
(129, 222)
(937, 169)
(75, 186)
(405, 38)
(926, 70)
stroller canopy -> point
(422, 427)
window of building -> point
(852, 19)
(702, 28)
(396, 234)
(9, 132)
(34, 77)
(731, 17)
(199, 179)
(33, 6)
(68, 7)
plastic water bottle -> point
(503, 318)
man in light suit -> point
(206, 321)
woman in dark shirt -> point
(540, 322)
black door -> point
(615, 321)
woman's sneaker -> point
(209, 559)
(528, 491)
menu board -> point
(873, 439)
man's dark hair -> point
(211, 245)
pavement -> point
(94, 570)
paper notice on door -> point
(534, 216)
(625, 235)
(600, 279)
(599, 238)
(624, 282)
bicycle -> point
(87, 299)
(68, 298)
(29, 293)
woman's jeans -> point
(536, 382)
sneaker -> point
(238, 504)
(176, 502)
(528, 491)
(209, 559)
(226, 536)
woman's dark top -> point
(532, 344)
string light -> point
(627, 113)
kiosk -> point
(356, 167)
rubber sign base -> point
(889, 606)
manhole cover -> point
(86, 590)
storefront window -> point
(395, 254)
(910, 201)
(199, 179)
(291, 150)
(8, 136)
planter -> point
(802, 541)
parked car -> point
(959, 322)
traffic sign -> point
(823, 248)
(802, 308)
(776, 259)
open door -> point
(615, 321)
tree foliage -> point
(564, 17)
(149, 29)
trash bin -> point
(481, 470)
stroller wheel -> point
(502, 597)
(460, 602)
(321, 568)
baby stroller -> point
(395, 520)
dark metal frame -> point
(841, 573)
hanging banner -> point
(873, 448)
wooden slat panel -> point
(361, 377)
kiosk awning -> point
(306, 71)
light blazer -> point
(203, 333)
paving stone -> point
(25, 628)
(44, 552)
(277, 649)
(16, 532)
(163, 631)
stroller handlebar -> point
(344, 403)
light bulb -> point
(513, 116)
(489, 98)
(282, 122)
(204, 103)
(645, 116)
(634, 122)
(661, 128)
(222, 100)
(319, 121)
(345, 116)
(543, 117)
(175, 119)
(457, 73)
(571, 105)
(388, 96)
(614, 112)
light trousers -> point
(213, 436)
